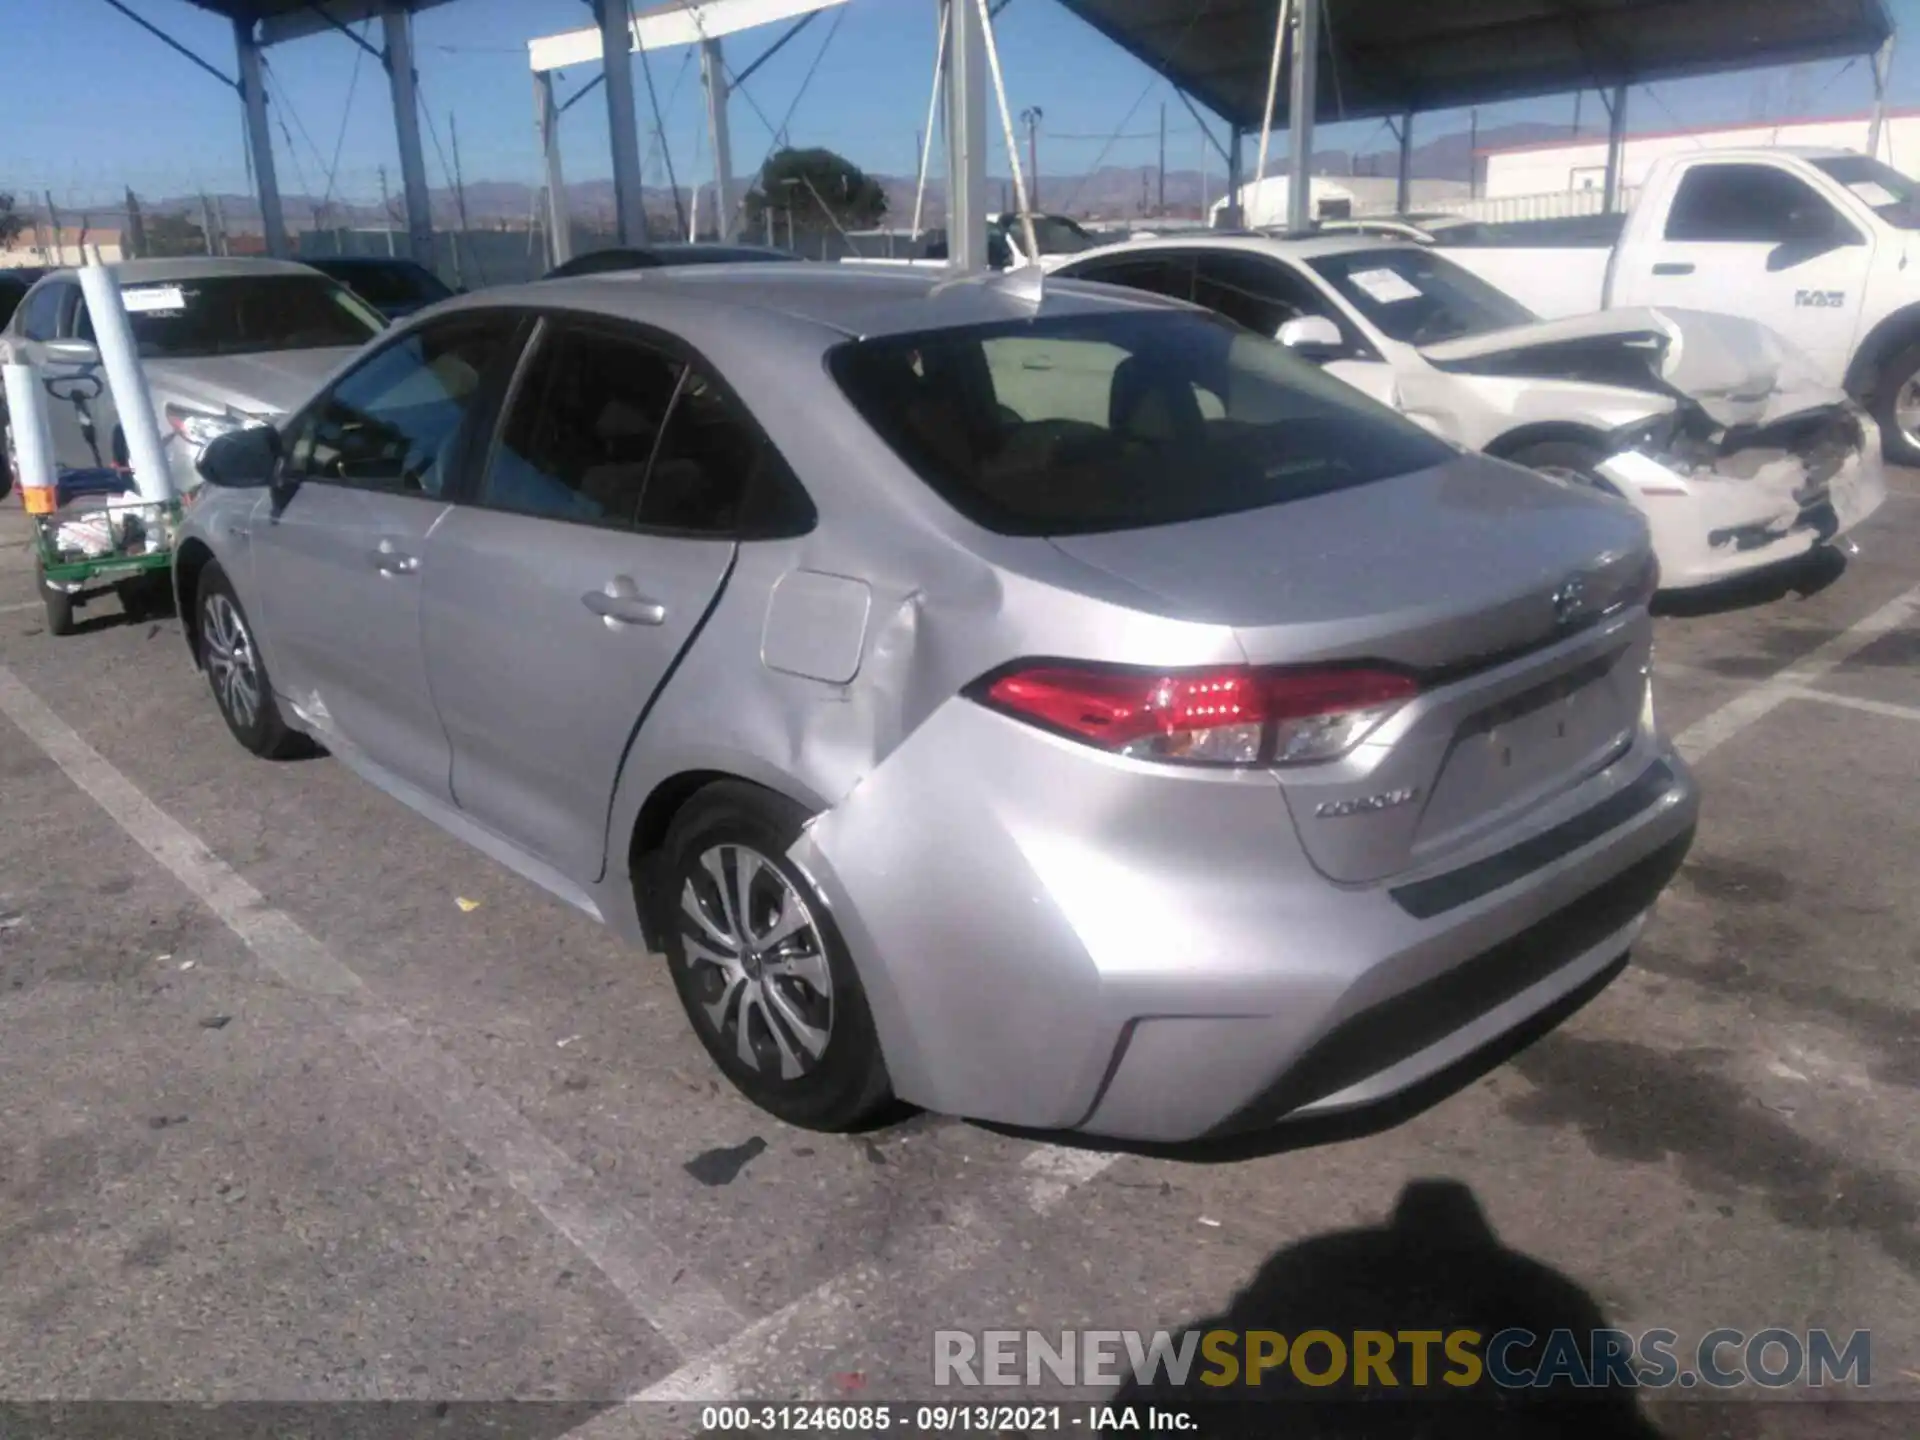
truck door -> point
(1754, 239)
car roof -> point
(200, 267)
(853, 300)
(363, 262)
(1311, 247)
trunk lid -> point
(1513, 597)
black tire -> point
(223, 637)
(1899, 371)
(59, 604)
(844, 1084)
(1577, 460)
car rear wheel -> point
(238, 673)
(1896, 407)
(764, 976)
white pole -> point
(1006, 129)
(1273, 98)
(933, 107)
(120, 356)
(32, 442)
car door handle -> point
(1674, 267)
(618, 608)
(390, 561)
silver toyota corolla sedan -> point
(1069, 711)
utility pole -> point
(386, 210)
(1031, 117)
(1473, 153)
(206, 223)
(53, 224)
(1160, 192)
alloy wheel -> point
(758, 961)
(1906, 411)
(230, 660)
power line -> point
(346, 114)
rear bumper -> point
(1155, 959)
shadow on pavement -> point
(1435, 1265)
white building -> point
(1335, 197)
(1557, 167)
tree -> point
(819, 189)
(12, 222)
(174, 235)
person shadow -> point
(1435, 1265)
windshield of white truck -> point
(1888, 193)
(1417, 298)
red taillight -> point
(1232, 715)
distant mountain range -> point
(1112, 191)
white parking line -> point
(22, 605)
(1855, 702)
(1713, 730)
(647, 1271)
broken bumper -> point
(1058, 940)
(1756, 506)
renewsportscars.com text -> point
(1457, 1359)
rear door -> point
(338, 565)
(1756, 239)
(565, 586)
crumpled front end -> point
(1725, 500)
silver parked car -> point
(1069, 711)
(224, 344)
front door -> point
(563, 590)
(342, 552)
(1756, 240)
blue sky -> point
(89, 103)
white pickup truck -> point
(1822, 246)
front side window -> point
(242, 315)
(1169, 275)
(1744, 204)
(1119, 420)
(1258, 293)
(395, 421)
(1418, 298)
(40, 314)
(582, 427)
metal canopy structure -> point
(260, 23)
(1392, 58)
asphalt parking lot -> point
(307, 1102)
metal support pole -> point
(1403, 189)
(546, 120)
(616, 49)
(713, 70)
(966, 138)
(1882, 69)
(1300, 113)
(402, 81)
(1233, 215)
(127, 382)
(253, 92)
(1616, 145)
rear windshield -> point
(242, 315)
(389, 284)
(1419, 298)
(1119, 420)
(1888, 193)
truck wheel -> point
(760, 966)
(1575, 460)
(1896, 407)
(58, 602)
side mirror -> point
(241, 459)
(72, 352)
(1312, 337)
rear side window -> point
(582, 429)
(1753, 204)
(1119, 420)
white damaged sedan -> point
(1713, 427)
